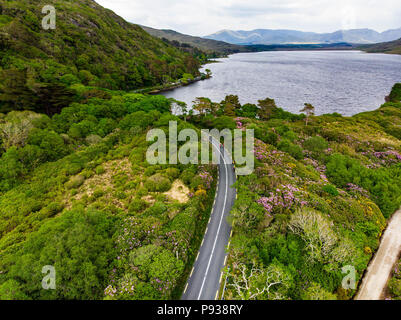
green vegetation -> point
(317, 201)
(394, 286)
(77, 193)
(46, 70)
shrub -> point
(270, 138)
(173, 173)
(395, 287)
(93, 139)
(290, 135)
(224, 122)
(157, 210)
(330, 189)
(158, 183)
(51, 143)
(395, 95)
(75, 182)
(294, 150)
(136, 206)
(316, 144)
(100, 170)
(187, 176)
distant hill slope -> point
(90, 44)
(206, 45)
(393, 47)
(266, 36)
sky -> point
(204, 17)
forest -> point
(44, 71)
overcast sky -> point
(203, 17)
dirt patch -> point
(179, 192)
(104, 182)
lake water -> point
(347, 82)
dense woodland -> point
(91, 46)
(77, 193)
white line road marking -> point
(218, 230)
(186, 287)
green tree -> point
(80, 247)
(267, 108)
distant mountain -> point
(206, 45)
(267, 36)
(393, 47)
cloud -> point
(198, 17)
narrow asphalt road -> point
(379, 270)
(206, 275)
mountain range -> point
(207, 45)
(267, 36)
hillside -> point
(90, 46)
(208, 45)
(77, 193)
(266, 36)
(317, 201)
(392, 47)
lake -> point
(346, 82)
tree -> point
(15, 94)
(316, 232)
(316, 144)
(79, 245)
(180, 108)
(255, 283)
(309, 110)
(17, 126)
(230, 105)
(316, 292)
(248, 111)
(267, 108)
(202, 105)
(52, 98)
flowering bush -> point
(357, 190)
(206, 177)
(283, 198)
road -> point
(206, 275)
(379, 270)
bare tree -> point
(15, 130)
(249, 284)
(315, 230)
